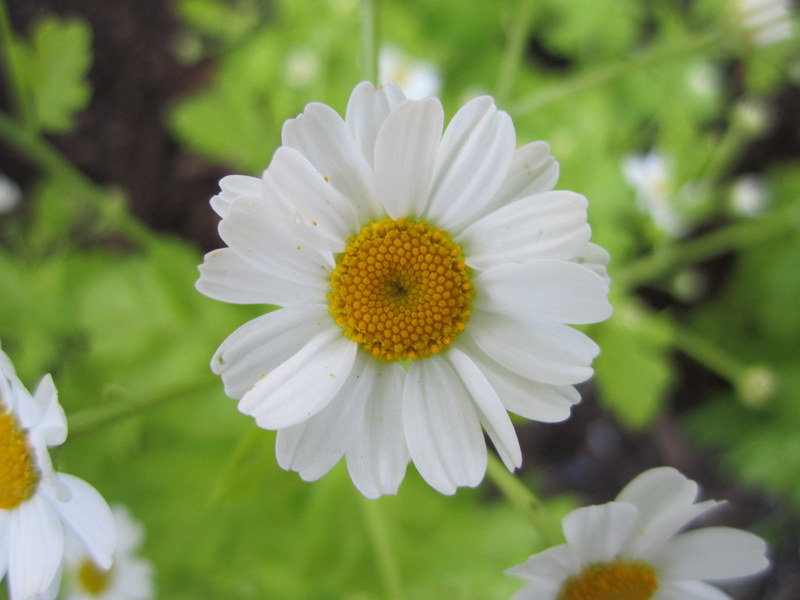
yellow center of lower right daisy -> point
(18, 473)
(92, 579)
(401, 289)
(616, 580)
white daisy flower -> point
(764, 22)
(418, 79)
(37, 503)
(130, 576)
(425, 280)
(650, 175)
(628, 549)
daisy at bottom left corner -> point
(37, 504)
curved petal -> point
(226, 276)
(233, 187)
(533, 171)
(318, 213)
(260, 234)
(549, 225)
(712, 553)
(260, 345)
(366, 110)
(320, 135)
(314, 446)
(89, 517)
(405, 154)
(666, 502)
(529, 399)
(549, 289)
(37, 538)
(52, 425)
(304, 384)
(442, 429)
(540, 350)
(4, 525)
(547, 571)
(378, 458)
(598, 533)
(474, 157)
(595, 258)
(491, 412)
(689, 590)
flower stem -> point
(379, 538)
(370, 39)
(526, 502)
(50, 160)
(514, 50)
(669, 257)
(99, 417)
(607, 73)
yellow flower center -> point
(92, 579)
(617, 580)
(401, 289)
(18, 473)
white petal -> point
(527, 398)
(321, 136)
(492, 413)
(442, 429)
(304, 384)
(36, 548)
(226, 276)
(689, 590)
(4, 528)
(557, 563)
(533, 171)
(540, 350)
(314, 446)
(405, 154)
(52, 425)
(549, 225)
(319, 214)
(474, 157)
(665, 499)
(598, 533)
(712, 553)
(550, 289)
(260, 345)
(259, 232)
(595, 259)
(537, 589)
(366, 110)
(234, 187)
(378, 457)
(89, 517)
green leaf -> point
(54, 66)
(633, 370)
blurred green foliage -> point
(117, 321)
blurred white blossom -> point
(749, 196)
(765, 22)
(10, 194)
(418, 79)
(650, 175)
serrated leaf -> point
(54, 66)
(633, 370)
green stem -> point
(379, 538)
(514, 50)
(370, 39)
(50, 160)
(92, 419)
(701, 349)
(605, 74)
(670, 257)
(525, 501)
(16, 84)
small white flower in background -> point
(417, 79)
(749, 196)
(426, 281)
(650, 175)
(302, 67)
(130, 576)
(631, 548)
(37, 503)
(10, 194)
(765, 22)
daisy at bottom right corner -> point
(631, 548)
